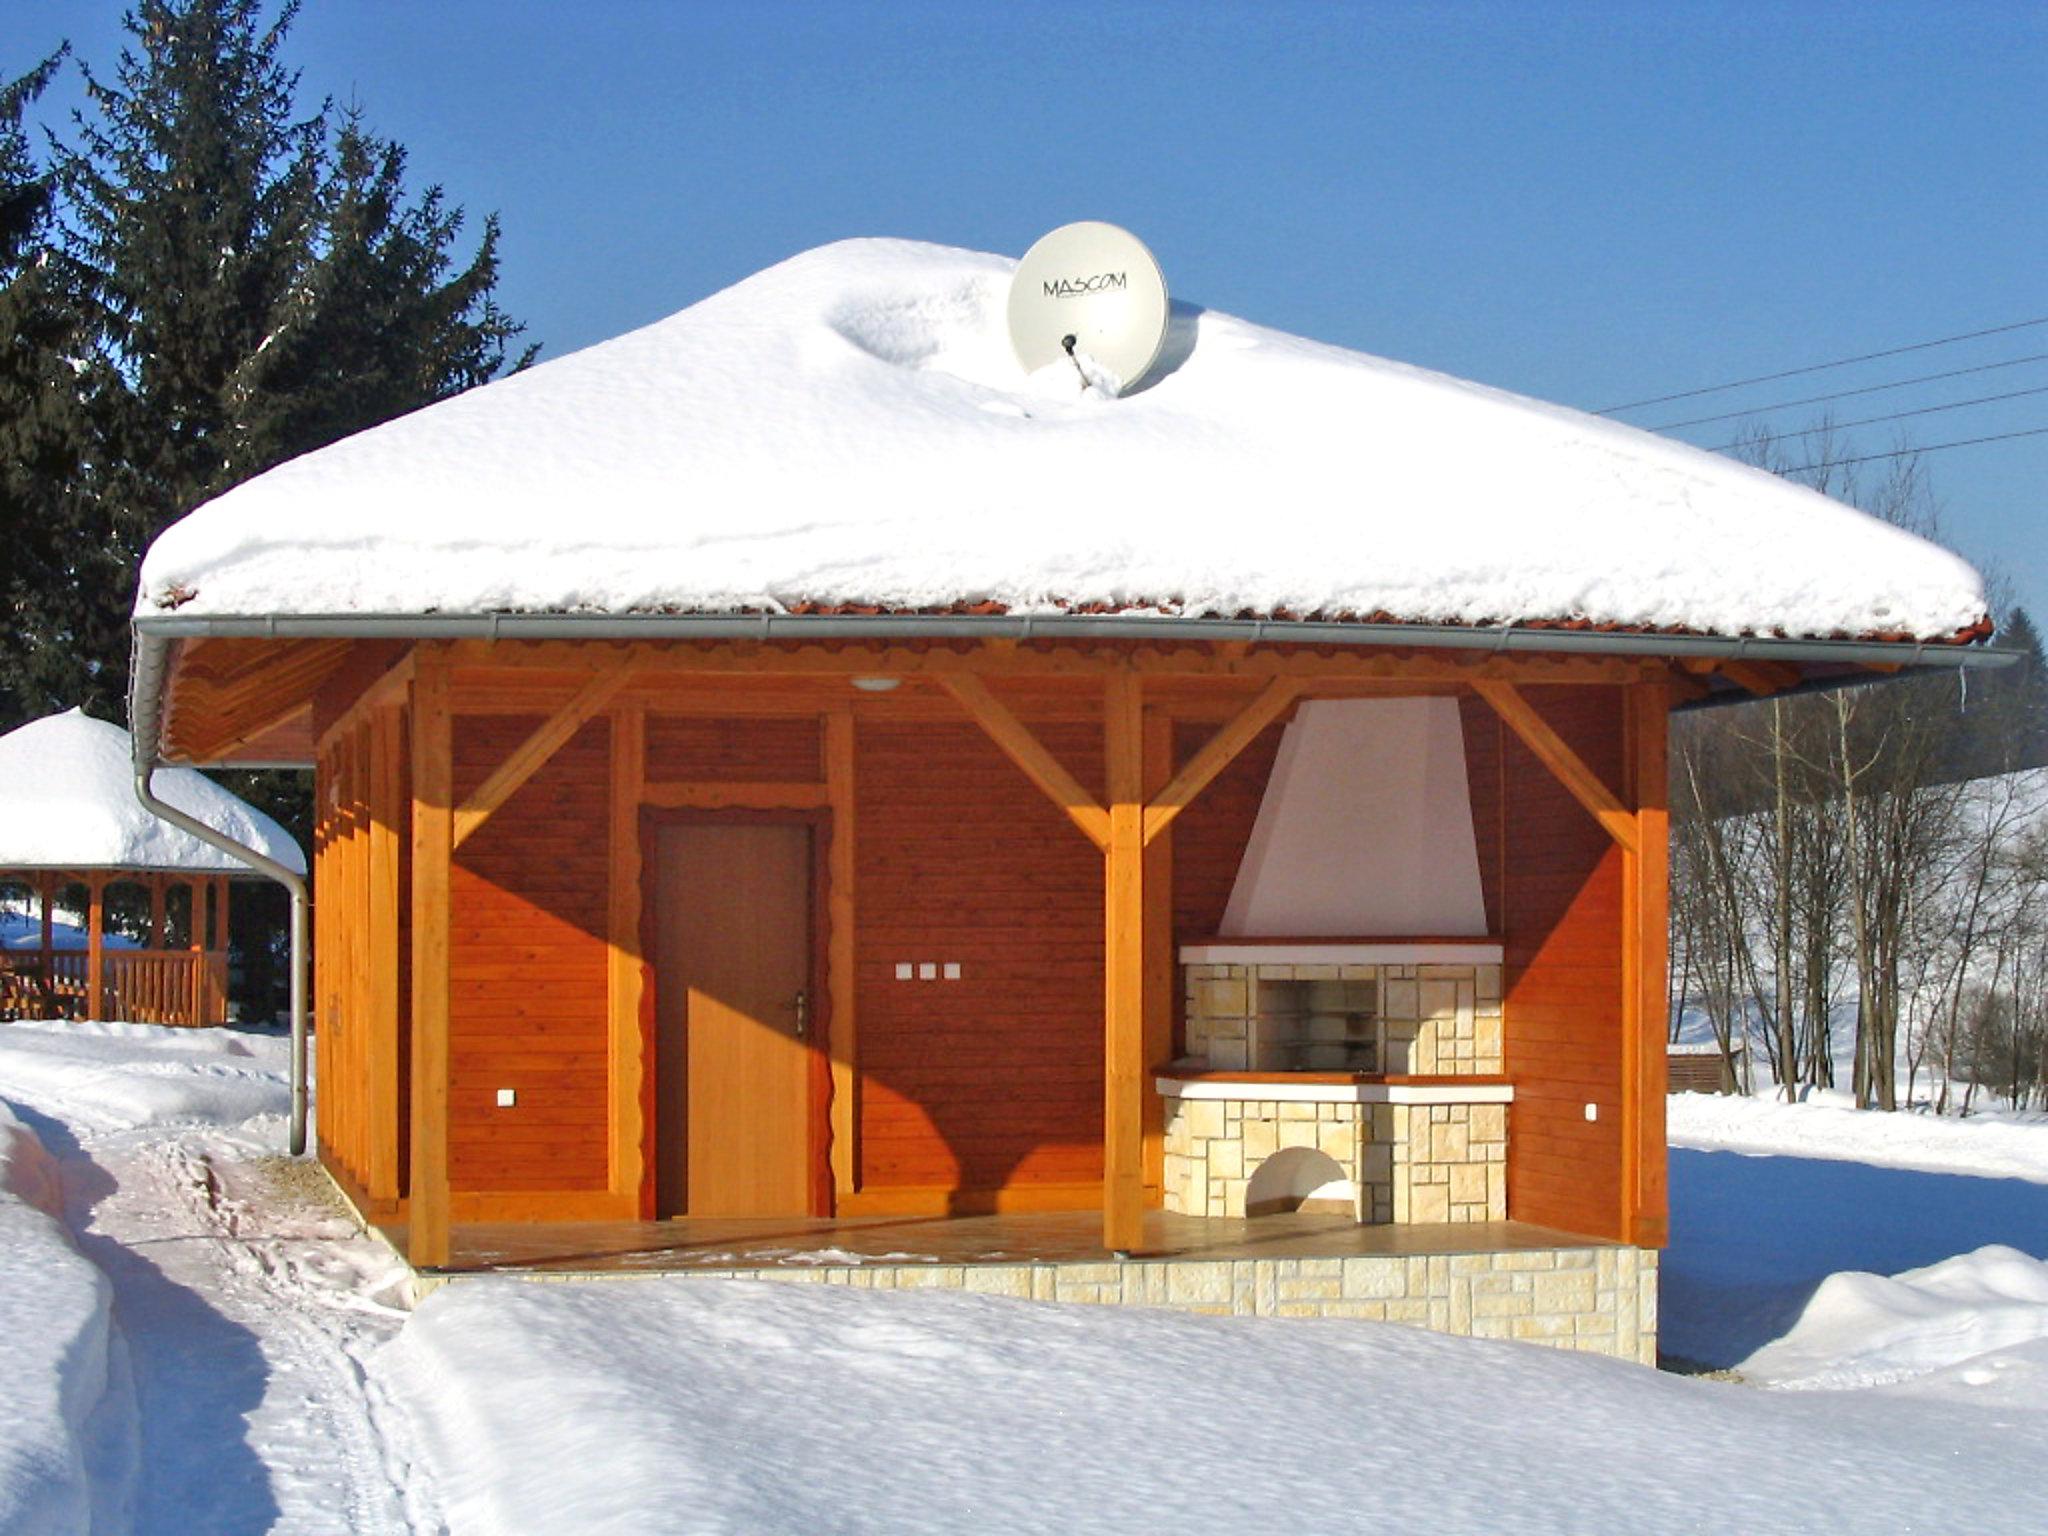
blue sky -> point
(1588, 203)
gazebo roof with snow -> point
(67, 802)
(848, 430)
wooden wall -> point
(994, 1080)
(1562, 916)
(360, 972)
(527, 1004)
(977, 1092)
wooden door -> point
(733, 1126)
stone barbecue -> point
(1364, 1076)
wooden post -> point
(47, 888)
(95, 957)
(1160, 966)
(156, 911)
(1646, 910)
(380, 1043)
(841, 1024)
(433, 813)
(227, 945)
(627, 1055)
(195, 936)
(1123, 1014)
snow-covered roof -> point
(67, 801)
(849, 429)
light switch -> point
(905, 970)
(952, 970)
(507, 1097)
(1592, 1111)
(927, 970)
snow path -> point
(248, 1349)
(248, 1303)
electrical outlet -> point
(507, 1097)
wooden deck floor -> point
(1057, 1237)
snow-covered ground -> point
(192, 1339)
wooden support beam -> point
(1069, 659)
(1219, 752)
(625, 977)
(388, 831)
(46, 892)
(1551, 750)
(95, 946)
(433, 796)
(734, 796)
(531, 755)
(1123, 1014)
(1646, 912)
(1029, 753)
(156, 911)
(842, 1023)
(1161, 969)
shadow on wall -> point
(1753, 1237)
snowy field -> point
(193, 1339)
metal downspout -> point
(143, 705)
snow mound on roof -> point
(67, 801)
(849, 428)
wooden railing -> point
(143, 986)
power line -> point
(1925, 410)
(1843, 362)
(1844, 394)
(1907, 453)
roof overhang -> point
(1826, 663)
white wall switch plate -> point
(952, 970)
(927, 970)
(905, 971)
(507, 1097)
(1592, 1111)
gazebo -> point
(69, 822)
(799, 795)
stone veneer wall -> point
(1407, 1162)
(1599, 1300)
(1454, 1009)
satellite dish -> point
(1093, 293)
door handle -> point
(802, 1004)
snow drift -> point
(64, 1391)
(850, 428)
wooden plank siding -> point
(528, 967)
(1561, 888)
(980, 1093)
(994, 1081)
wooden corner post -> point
(1645, 1016)
(433, 808)
(95, 946)
(1124, 970)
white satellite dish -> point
(1093, 293)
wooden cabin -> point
(74, 838)
(973, 920)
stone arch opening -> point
(1299, 1179)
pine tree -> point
(258, 281)
(62, 549)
